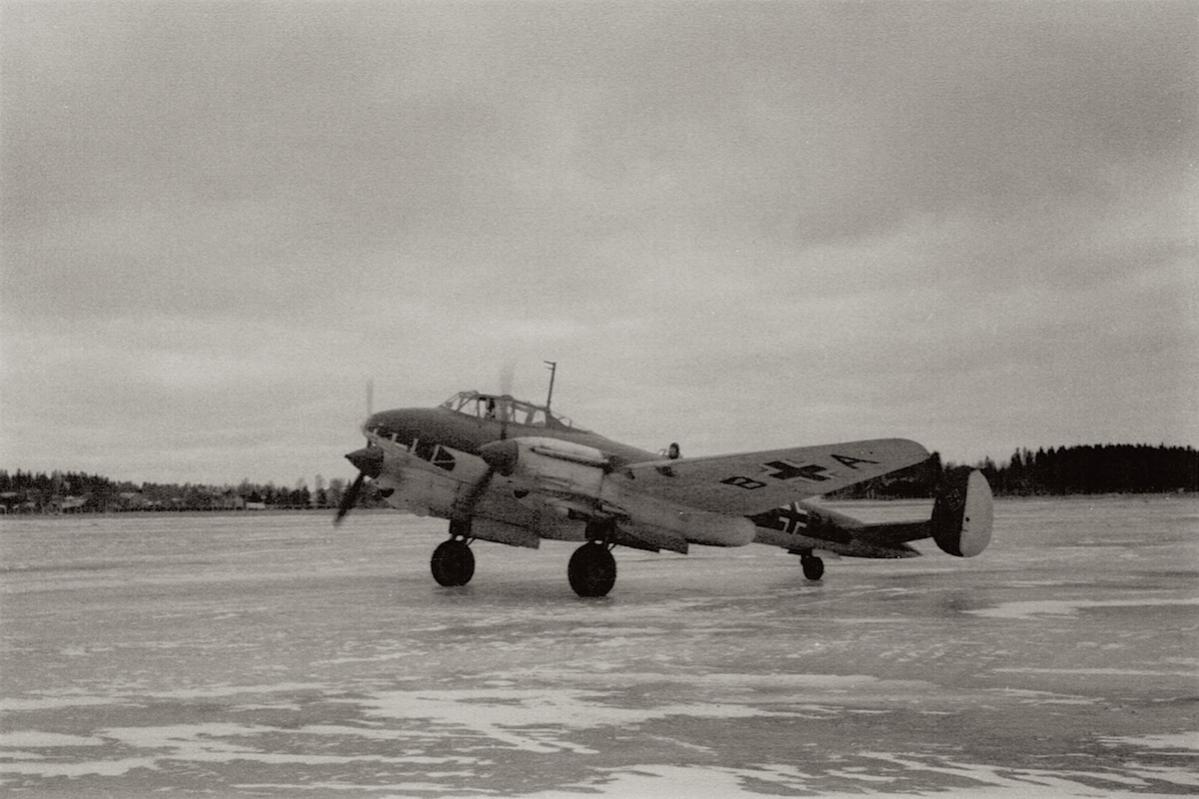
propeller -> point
(349, 499)
(507, 375)
(500, 456)
(466, 503)
(369, 462)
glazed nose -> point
(368, 460)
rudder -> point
(963, 513)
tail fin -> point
(963, 513)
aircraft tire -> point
(813, 567)
(453, 563)
(592, 570)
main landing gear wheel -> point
(592, 570)
(453, 563)
(813, 566)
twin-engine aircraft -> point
(508, 471)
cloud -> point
(745, 223)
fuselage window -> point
(424, 450)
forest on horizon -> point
(1056, 471)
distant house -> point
(68, 504)
(230, 500)
(255, 506)
(133, 500)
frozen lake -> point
(271, 655)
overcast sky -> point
(734, 225)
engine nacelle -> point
(554, 464)
(963, 513)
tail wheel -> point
(592, 570)
(813, 567)
(453, 563)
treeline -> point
(1102, 469)
(77, 492)
(1057, 471)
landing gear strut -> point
(592, 569)
(813, 566)
(453, 563)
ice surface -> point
(273, 655)
(1061, 607)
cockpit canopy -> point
(504, 408)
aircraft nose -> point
(500, 455)
(368, 460)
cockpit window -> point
(495, 408)
(456, 402)
(503, 408)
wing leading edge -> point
(751, 482)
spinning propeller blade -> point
(349, 499)
(369, 461)
(466, 504)
(507, 375)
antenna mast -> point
(553, 365)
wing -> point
(756, 481)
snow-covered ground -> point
(273, 655)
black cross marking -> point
(788, 518)
(792, 517)
(790, 471)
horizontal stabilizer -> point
(960, 524)
(961, 519)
